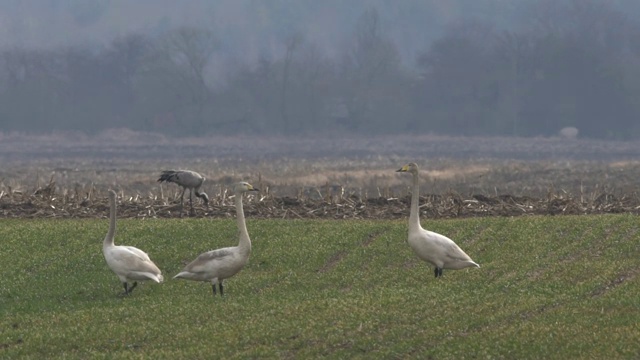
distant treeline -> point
(571, 63)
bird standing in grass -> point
(127, 262)
(188, 180)
(218, 265)
(436, 249)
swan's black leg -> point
(133, 287)
(213, 288)
(126, 288)
(438, 272)
(221, 292)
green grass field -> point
(549, 287)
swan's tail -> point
(180, 275)
(146, 275)
(469, 263)
(156, 277)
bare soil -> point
(67, 175)
(44, 204)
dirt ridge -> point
(44, 203)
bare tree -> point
(371, 61)
(292, 43)
(459, 79)
(182, 59)
(580, 47)
(125, 57)
(315, 75)
(516, 56)
(35, 88)
(127, 53)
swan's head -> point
(243, 186)
(410, 167)
(112, 195)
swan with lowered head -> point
(218, 265)
(187, 179)
(129, 263)
(436, 249)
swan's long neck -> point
(414, 217)
(245, 242)
(108, 240)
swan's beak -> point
(403, 169)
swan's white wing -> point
(452, 255)
(141, 254)
(209, 265)
(129, 264)
(439, 250)
(205, 261)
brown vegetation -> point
(67, 175)
(45, 202)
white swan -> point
(218, 265)
(127, 262)
(436, 249)
(187, 179)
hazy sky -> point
(248, 23)
(245, 28)
(245, 31)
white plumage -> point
(218, 265)
(187, 179)
(434, 248)
(127, 262)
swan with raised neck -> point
(434, 248)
